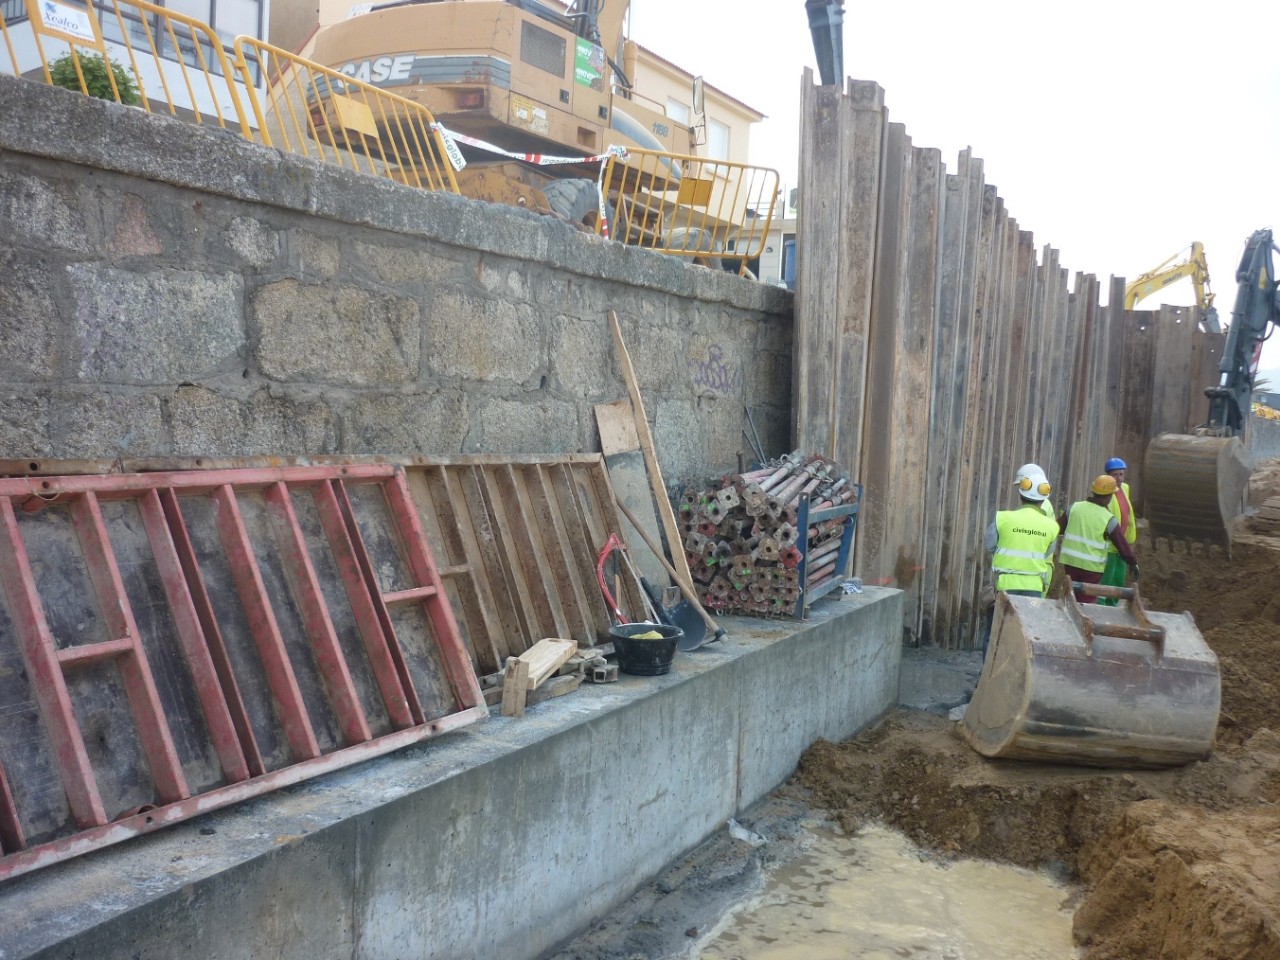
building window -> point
(717, 140)
(677, 111)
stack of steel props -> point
(741, 540)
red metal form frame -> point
(200, 640)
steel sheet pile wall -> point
(935, 350)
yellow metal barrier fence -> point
(164, 51)
(315, 111)
(671, 203)
(690, 206)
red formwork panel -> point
(171, 643)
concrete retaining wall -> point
(171, 289)
(500, 840)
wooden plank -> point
(660, 496)
(968, 210)
(580, 530)
(1174, 374)
(617, 426)
(1075, 361)
(913, 388)
(556, 541)
(1207, 375)
(546, 657)
(515, 687)
(555, 687)
(630, 484)
(444, 522)
(975, 424)
(465, 485)
(1115, 357)
(862, 118)
(542, 573)
(946, 385)
(1133, 425)
(819, 232)
(887, 303)
(530, 610)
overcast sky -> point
(1118, 132)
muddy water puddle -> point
(874, 896)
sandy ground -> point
(1175, 865)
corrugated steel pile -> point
(742, 541)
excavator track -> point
(1195, 486)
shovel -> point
(682, 615)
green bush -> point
(94, 68)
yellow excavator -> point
(522, 75)
(1192, 265)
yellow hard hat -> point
(1104, 486)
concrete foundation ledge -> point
(496, 841)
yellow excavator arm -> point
(1175, 268)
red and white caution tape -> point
(452, 138)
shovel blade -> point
(684, 616)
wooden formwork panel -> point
(519, 542)
(171, 643)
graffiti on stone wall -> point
(715, 373)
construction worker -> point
(1087, 528)
(1115, 575)
(1033, 470)
(1021, 543)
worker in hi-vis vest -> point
(1116, 572)
(1087, 528)
(1020, 542)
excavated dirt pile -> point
(1174, 864)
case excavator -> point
(1066, 682)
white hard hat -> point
(1032, 482)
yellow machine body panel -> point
(492, 70)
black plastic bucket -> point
(645, 658)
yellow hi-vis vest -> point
(1024, 549)
(1046, 507)
(1084, 544)
(1130, 530)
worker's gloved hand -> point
(1133, 571)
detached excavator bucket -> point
(1195, 486)
(1092, 685)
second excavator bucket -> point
(1195, 486)
(1093, 685)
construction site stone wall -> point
(167, 289)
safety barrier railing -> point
(133, 52)
(6, 14)
(318, 112)
(690, 206)
(127, 50)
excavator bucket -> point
(1092, 685)
(1195, 486)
